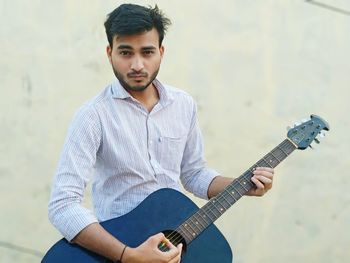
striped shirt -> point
(127, 153)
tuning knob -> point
(322, 134)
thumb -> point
(179, 247)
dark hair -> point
(129, 19)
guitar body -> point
(163, 210)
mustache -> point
(137, 74)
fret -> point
(235, 192)
(267, 163)
(232, 194)
(250, 183)
(200, 220)
(279, 154)
(206, 216)
(221, 203)
(240, 190)
(184, 233)
(214, 205)
(208, 209)
(243, 183)
(290, 147)
(189, 227)
(276, 157)
(282, 151)
(273, 156)
(195, 226)
(248, 175)
(224, 195)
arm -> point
(195, 176)
(95, 238)
(207, 183)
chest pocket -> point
(170, 151)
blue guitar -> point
(184, 221)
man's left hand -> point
(262, 178)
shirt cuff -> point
(204, 181)
(73, 220)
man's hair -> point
(130, 19)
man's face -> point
(136, 59)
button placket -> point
(150, 143)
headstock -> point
(303, 134)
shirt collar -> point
(118, 92)
(165, 96)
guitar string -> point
(285, 143)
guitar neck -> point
(218, 205)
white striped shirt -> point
(128, 153)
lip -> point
(137, 76)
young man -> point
(137, 136)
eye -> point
(148, 52)
(125, 53)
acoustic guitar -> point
(174, 214)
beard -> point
(123, 79)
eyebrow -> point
(130, 47)
(124, 47)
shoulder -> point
(89, 111)
(180, 96)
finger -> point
(179, 247)
(263, 179)
(174, 254)
(257, 183)
(263, 173)
(177, 258)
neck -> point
(149, 97)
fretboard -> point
(218, 205)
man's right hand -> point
(148, 252)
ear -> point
(109, 53)
(161, 50)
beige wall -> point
(254, 67)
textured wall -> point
(253, 66)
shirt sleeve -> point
(74, 171)
(195, 176)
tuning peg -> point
(317, 140)
(322, 134)
(311, 147)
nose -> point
(137, 64)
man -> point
(137, 136)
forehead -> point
(148, 38)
